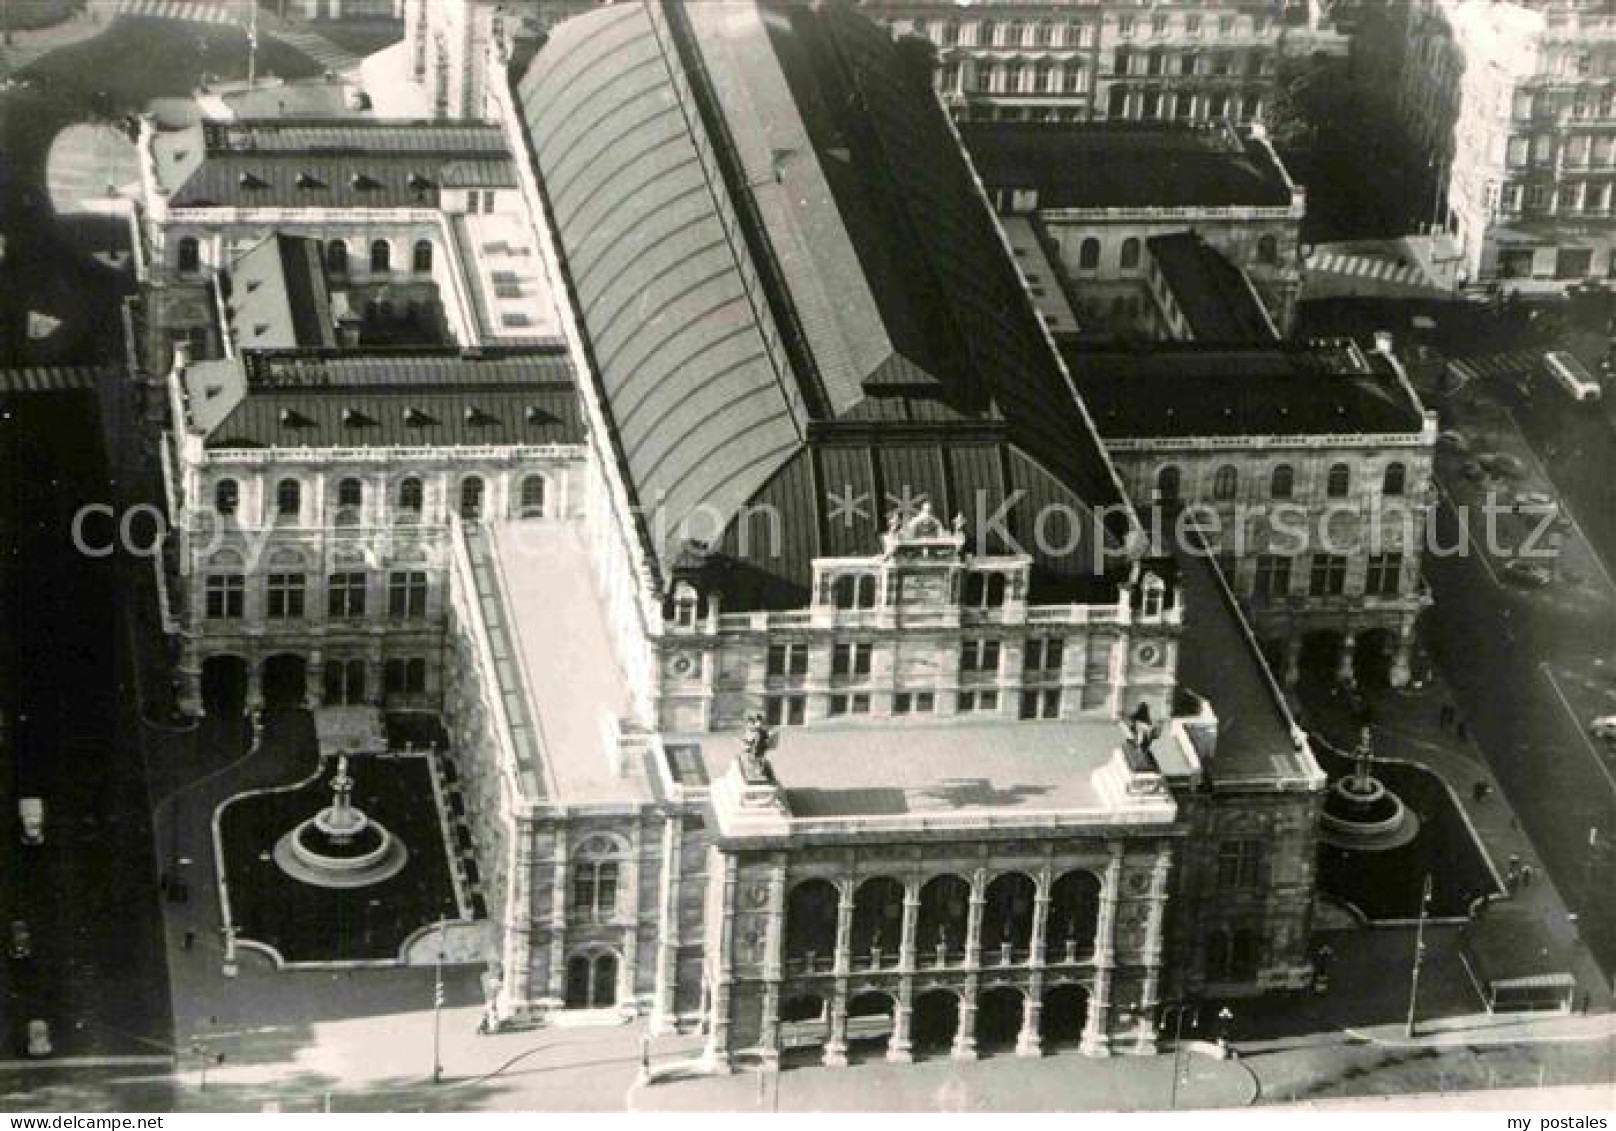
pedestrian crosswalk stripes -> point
(47, 379)
(192, 11)
(1366, 267)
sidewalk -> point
(1064, 1081)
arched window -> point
(410, 497)
(1074, 915)
(811, 912)
(1395, 481)
(471, 498)
(944, 914)
(1012, 34)
(986, 33)
(1012, 77)
(532, 498)
(1282, 483)
(1130, 254)
(1155, 597)
(1043, 77)
(190, 255)
(1268, 250)
(877, 920)
(595, 870)
(381, 257)
(1088, 255)
(948, 36)
(1226, 482)
(686, 604)
(226, 497)
(288, 498)
(1007, 914)
(336, 257)
(854, 591)
(350, 500)
(421, 259)
(1168, 481)
(1339, 482)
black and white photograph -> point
(642, 560)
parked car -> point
(39, 1038)
(22, 943)
(31, 818)
(1604, 728)
(1528, 575)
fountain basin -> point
(1366, 817)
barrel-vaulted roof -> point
(792, 287)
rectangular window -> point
(346, 595)
(1385, 575)
(1192, 25)
(406, 593)
(285, 596)
(1273, 575)
(1044, 704)
(851, 659)
(1240, 865)
(913, 703)
(857, 703)
(1328, 576)
(1044, 655)
(785, 710)
(973, 701)
(226, 596)
(788, 659)
(979, 656)
(1573, 262)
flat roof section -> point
(1128, 164)
(1040, 274)
(576, 690)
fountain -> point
(340, 847)
(1360, 813)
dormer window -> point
(854, 591)
(309, 181)
(684, 606)
(984, 590)
(1155, 597)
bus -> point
(1572, 377)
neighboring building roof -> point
(350, 164)
(1173, 390)
(278, 295)
(790, 264)
(1218, 659)
(313, 399)
(1128, 164)
(1213, 294)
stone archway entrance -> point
(285, 680)
(1372, 659)
(1064, 1016)
(869, 1022)
(1321, 656)
(934, 1021)
(998, 1019)
(224, 686)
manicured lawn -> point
(1387, 885)
(313, 924)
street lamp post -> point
(1176, 1011)
(437, 1008)
(1419, 958)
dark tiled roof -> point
(857, 276)
(315, 399)
(1213, 294)
(1180, 390)
(278, 296)
(1219, 661)
(359, 164)
(1127, 164)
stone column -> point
(558, 914)
(1155, 926)
(716, 1054)
(1344, 663)
(973, 922)
(836, 1045)
(1029, 1042)
(664, 1011)
(773, 964)
(1096, 1034)
(516, 961)
(314, 680)
(843, 958)
(911, 925)
(1040, 916)
(965, 1036)
(255, 682)
(1293, 657)
(634, 912)
(1402, 655)
(899, 1048)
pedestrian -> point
(1582, 1006)
(1446, 718)
(1462, 732)
(189, 941)
(1480, 790)
(1526, 876)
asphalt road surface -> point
(98, 974)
